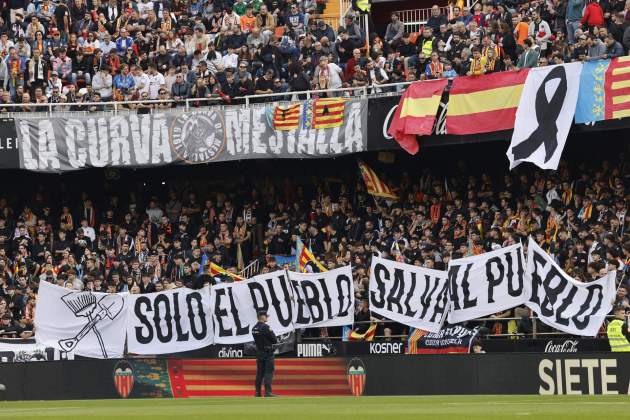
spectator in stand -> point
(593, 16)
(395, 31)
(436, 19)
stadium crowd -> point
(130, 240)
(72, 51)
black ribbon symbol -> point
(547, 113)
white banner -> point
(544, 115)
(169, 322)
(485, 284)
(88, 324)
(562, 302)
(408, 294)
(27, 350)
(235, 306)
(323, 299)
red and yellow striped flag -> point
(366, 336)
(286, 118)
(415, 114)
(216, 270)
(484, 104)
(374, 185)
(307, 256)
(328, 112)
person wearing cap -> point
(265, 341)
(617, 331)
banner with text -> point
(453, 339)
(562, 302)
(485, 284)
(323, 299)
(86, 323)
(235, 306)
(408, 294)
(215, 134)
(170, 321)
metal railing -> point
(415, 19)
(194, 103)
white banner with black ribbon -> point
(85, 323)
(408, 294)
(563, 302)
(544, 115)
(169, 322)
(323, 299)
(235, 306)
(485, 284)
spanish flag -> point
(328, 112)
(374, 185)
(366, 336)
(484, 104)
(286, 118)
(217, 270)
(415, 114)
(307, 256)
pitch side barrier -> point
(532, 373)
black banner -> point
(482, 374)
(380, 113)
(9, 153)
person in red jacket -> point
(593, 15)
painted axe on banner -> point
(109, 307)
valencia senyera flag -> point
(328, 112)
(416, 112)
(374, 185)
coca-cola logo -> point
(567, 346)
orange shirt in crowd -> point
(248, 23)
(522, 32)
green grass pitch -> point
(329, 408)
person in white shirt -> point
(327, 75)
(143, 8)
(107, 45)
(141, 80)
(156, 81)
(53, 82)
(102, 83)
(88, 230)
(230, 60)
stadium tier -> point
(211, 198)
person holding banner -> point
(265, 341)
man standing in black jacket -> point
(265, 340)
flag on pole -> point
(416, 112)
(217, 270)
(286, 118)
(374, 185)
(328, 112)
(305, 257)
(368, 335)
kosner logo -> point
(313, 349)
(386, 348)
(568, 346)
(230, 353)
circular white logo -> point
(198, 138)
